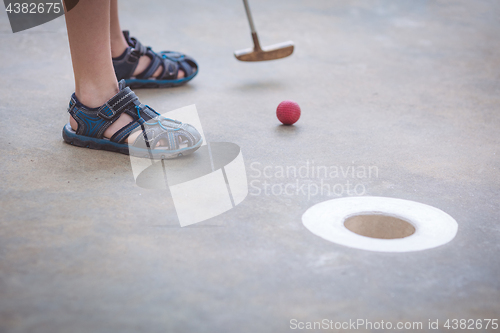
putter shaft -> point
(249, 15)
(255, 38)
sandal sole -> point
(74, 139)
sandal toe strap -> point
(171, 62)
(169, 133)
(185, 63)
(156, 62)
(170, 69)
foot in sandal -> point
(140, 67)
(124, 125)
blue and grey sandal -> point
(162, 138)
(170, 62)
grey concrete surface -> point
(411, 87)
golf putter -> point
(276, 51)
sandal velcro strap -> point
(106, 112)
(116, 105)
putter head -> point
(276, 51)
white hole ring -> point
(433, 227)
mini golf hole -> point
(379, 226)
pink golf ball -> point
(288, 112)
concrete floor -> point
(410, 87)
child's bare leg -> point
(88, 34)
(119, 44)
(88, 27)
